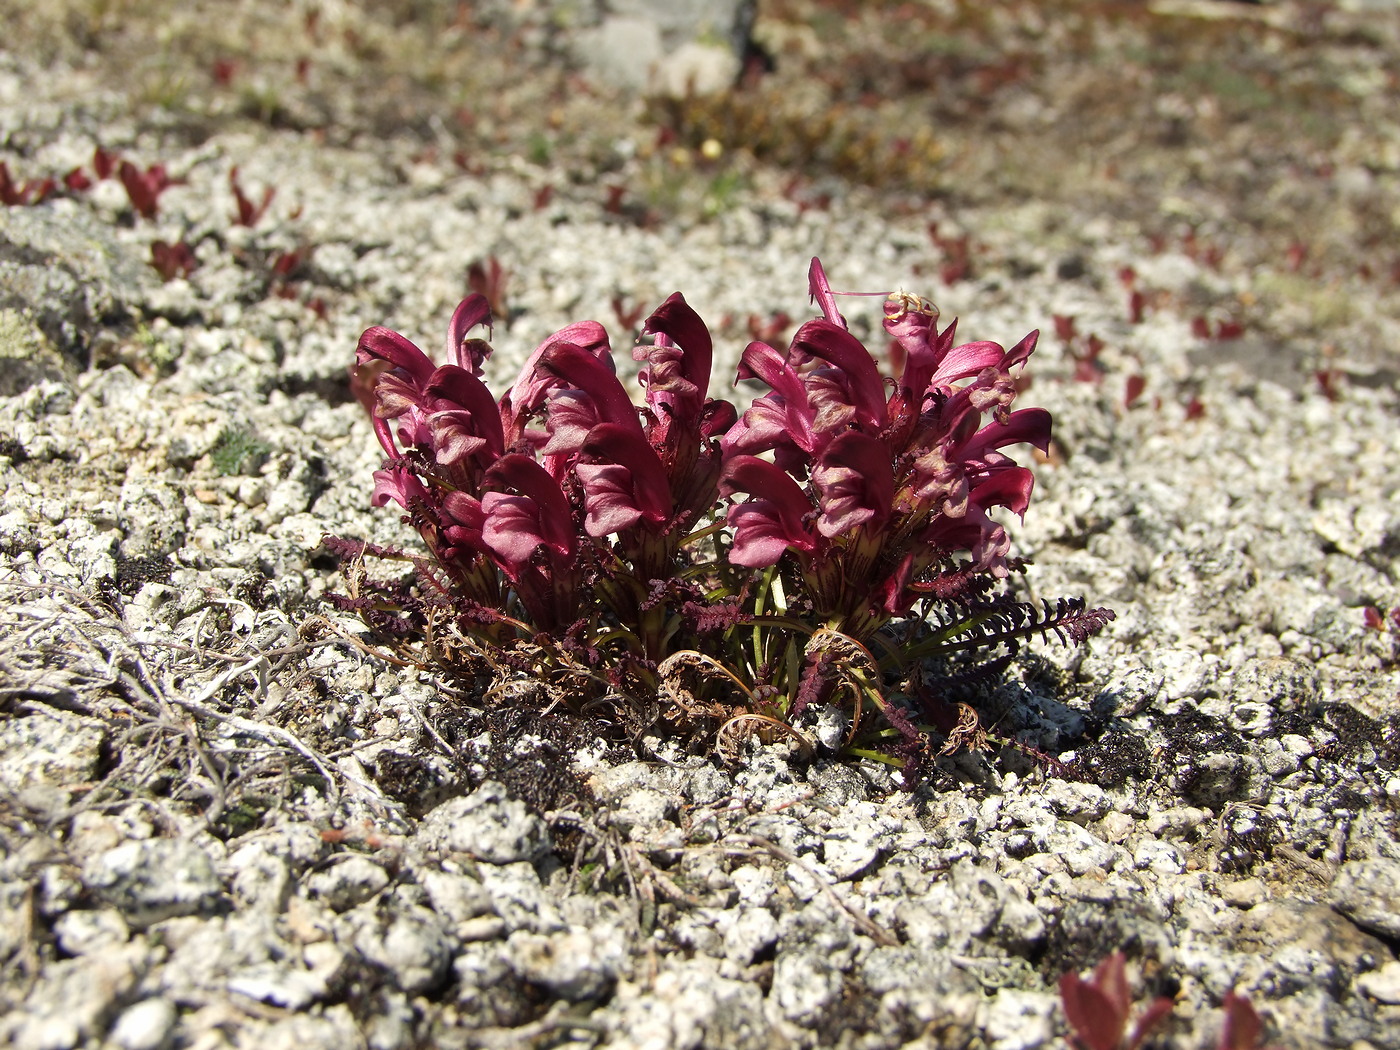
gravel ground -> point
(227, 820)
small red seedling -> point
(1242, 1029)
(173, 260)
(223, 70)
(795, 190)
(1098, 1009)
(627, 316)
(144, 188)
(104, 164)
(957, 255)
(771, 330)
(248, 213)
(1137, 306)
(489, 278)
(1087, 367)
(1327, 380)
(30, 191)
(1133, 389)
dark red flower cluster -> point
(561, 511)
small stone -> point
(1383, 985)
(1134, 689)
(489, 825)
(641, 810)
(1115, 826)
(412, 945)
(145, 1026)
(755, 885)
(1283, 683)
(1176, 822)
(1368, 893)
(152, 880)
(262, 880)
(354, 880)
(49, 748)
(751, 932)
(1158, 856)
(850, 851)
(83, 932)
(519, 899)
(1020, 1020)
(282, 985)
(74, 999)
(1252, 718)
(1081, 850)
(456, 896)
(1081, 803)
(805, 986)
(1184, 672)
(1244, 893)
(576, 964)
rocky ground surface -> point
(227, 820)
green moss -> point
(237, 451)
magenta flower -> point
(773, 521)
(536, 518)
(898, 480)
(509, 490)
(623, 481)
(588, 541)
(854, 484)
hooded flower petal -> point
(463, 519)
(966, 360)
(820, 290)
(623, 481)
(716, 418)
(939, 485)
(1010, 488)
(468, 353)
(894, 594)
(548, 507)
(383, 344)
(912, 322)
(1021, 352)
(580, 370)
(527, 396)
(782, 417)
(677, 373)
(852, 386)
(1029, 425)
(462, 416)
(854, 483)
(572, 414)
(773, 520)
(974, 532)
(397, 484)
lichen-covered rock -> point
(575, 964)
(152, 880)
(49, 748)
(487, 825)
(1368, 893)
(411, 943)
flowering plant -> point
(700, 572)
